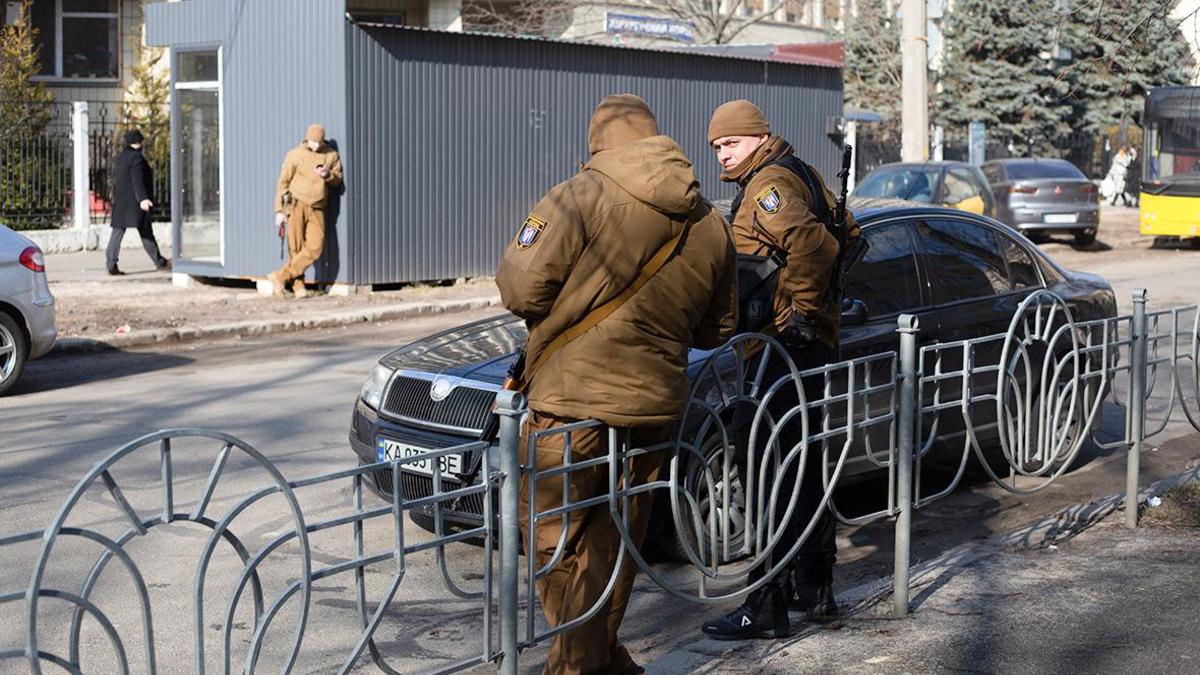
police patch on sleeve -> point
(530, 231)
(768, 199)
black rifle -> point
(847, 257)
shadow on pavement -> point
(60, 371)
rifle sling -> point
(606, 310)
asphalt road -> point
(290, 396)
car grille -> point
(465, 408)
(415, 487)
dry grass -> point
(1180, 508)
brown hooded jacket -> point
(584, 243)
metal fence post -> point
(1139, 348)
(80, 217)
(908, 328)
(510, 405)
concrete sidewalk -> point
(97, 311)
(1076, 592)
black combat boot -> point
(763, 615)
(812, 594)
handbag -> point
(758, 283)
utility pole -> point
(914, 111)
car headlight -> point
(372, 391)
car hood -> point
(482, 351)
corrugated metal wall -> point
(454, 137)
(283, 67)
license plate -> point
(1060, 217)
(387, 450)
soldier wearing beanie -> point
(309, 172)
(783, 208)
(618, 271)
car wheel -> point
(1085, 238)
(14, 351)
(672, 543)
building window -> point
(197, 128)
(78, 39)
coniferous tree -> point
(999, 69)
(24, 103)
(872, 75)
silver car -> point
(26, 307)
(1045, 196)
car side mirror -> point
(854, 312)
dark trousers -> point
(146, 232)
(815, 560)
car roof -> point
(935, 163)
(1027, 160)
(872, 208)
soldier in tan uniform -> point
(588, 242)
(309, 172)
(783, 206)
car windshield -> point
(1053, 168)
(913, 183)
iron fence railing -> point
(1021, 404)
(36, 162)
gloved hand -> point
(799, 332)
(280, 219)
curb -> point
(1057, 527)
(404, 310)
(90, 238)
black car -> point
(1045, 196)
(963, 275)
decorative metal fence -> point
(37, 157)
(1021, 403)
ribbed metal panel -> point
(283, 67)
(455, 136)
(447, 139)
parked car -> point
(963, 275)
(957, 185)
(1045, 196)
(26, 307)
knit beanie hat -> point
(133, 137)
(620, 119)
(737, 118)
(315, 132)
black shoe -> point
(164, 266)
(112, 271)
(763, 615)
(815, 600)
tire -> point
(14, 352)
(1085, 238)
(670, 542)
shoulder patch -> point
(531, 229)
(768, 199)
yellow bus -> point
(1170, 192)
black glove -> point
(800, 331)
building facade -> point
(447, 138)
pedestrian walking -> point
(133, 197)
(1133, 178)
(618, 272)
(783, 209)
(1113, 185)
(308, 174)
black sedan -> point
(963, 275)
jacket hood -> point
(654, 170)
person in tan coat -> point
(783, 206)
(585, 243)
(309, 172)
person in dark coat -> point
(133, 185)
